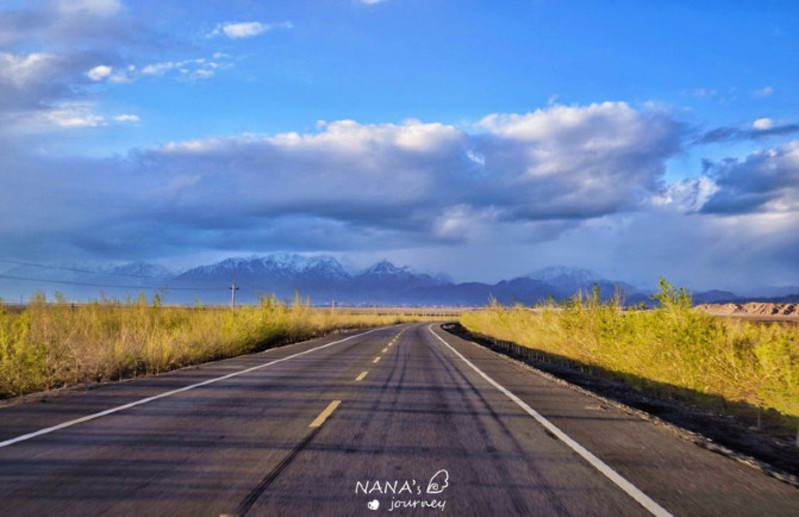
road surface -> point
(405, 419)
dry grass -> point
(49, 346)
(673, 345)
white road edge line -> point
(139, 402)
(617, 479)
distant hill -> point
(324, 280)
(82, 281)
(567, 281)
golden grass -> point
(50, 346)
(672, 345)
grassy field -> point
(671, 348)
(46, 346)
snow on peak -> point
(561, 273)
(384, 267)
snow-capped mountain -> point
(564, 274)
(139, 270)
(320, 277)
(567, 281)
(388, 279)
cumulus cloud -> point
(72, 117)
(578, 161)
(688, 195)
(31, 82)
(532, 176)
(99, 72)
(78, 40)
(763, 124)
(766, 181)
(19, 70)
(559, 183)
(247, 29)
(560, 163)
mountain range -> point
(321, 278)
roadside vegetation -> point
(47, 346)
(672, 348)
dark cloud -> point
(72, 25)
(575, 184)
(736, 134)
(364, 185)
(765, 181)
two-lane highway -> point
(404, 419)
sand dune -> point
(751, 309)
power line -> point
(76, 270)
(88, 271)
(88, 284)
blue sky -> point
(483, 139)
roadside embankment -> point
(734, 369)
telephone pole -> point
(233, 288)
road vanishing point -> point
(405, 419)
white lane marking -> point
(139, 402)
(630, 489)
(325, 414)
(377, 360)
(362, 375)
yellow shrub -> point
(48, 346)
(672, 345)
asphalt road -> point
(366, 421)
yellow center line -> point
(361, 376)
(325, 414)
(377, 360)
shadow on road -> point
(729, 423)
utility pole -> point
(233, 288)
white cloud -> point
(579, 159)
(201, 73)
(561, 163)
(763, 92)
(93, 7)
(19, 69)
(701, 93)
(764, 182)
(597, 194)
(127, 118)
(762, 124)
(688, 195)
(158, 68)
(72, 117)
(100, 72)
(199, 68)
(248, 29)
